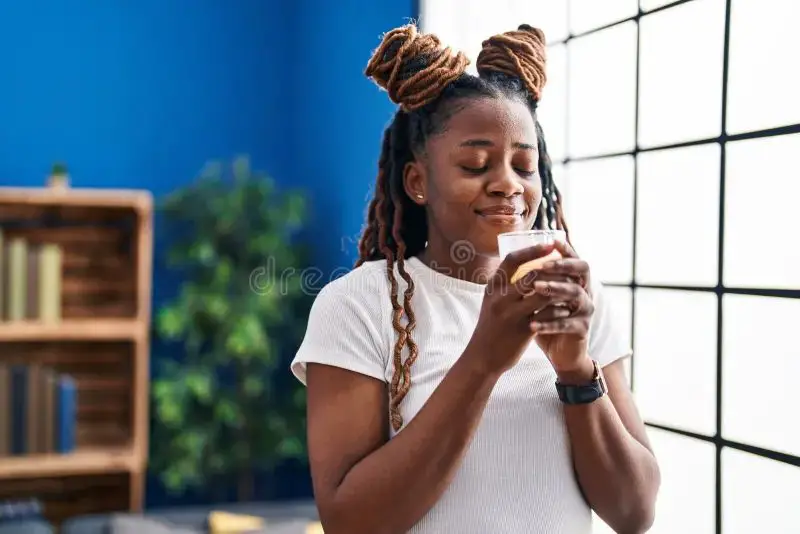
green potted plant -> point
(226, 410)
(59, 177)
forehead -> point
(501, 120)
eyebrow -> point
(486, 142)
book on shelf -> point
(38, 411)
(16, 510)
(30, 280)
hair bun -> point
(520, 53)
(414, 68)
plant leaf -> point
(171, 323)
(199, 384)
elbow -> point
(645, 515)
(633, 518)
(340, 518)
(336, 521)
(637, 521)
(639, 514)
(332, 516)
(340, 524)
(335, 518)
(646, 519)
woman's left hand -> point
(562, 328)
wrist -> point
(581, 372)
(475, 363)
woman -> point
(468, 404)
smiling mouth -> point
(503, 216)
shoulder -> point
(349, 324)
(361, 294)
(366, 283)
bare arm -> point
(364, 483)
(615, 465)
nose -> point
(504, 183)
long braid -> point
(553, 217)
(394, 249)
(399, 392)
(400, 154)
(382, 219)
(368, 243)
(423, 77)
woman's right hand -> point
(503, 331)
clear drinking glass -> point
(512, 241)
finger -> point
(568, 266)
(559, 292)
(526, 285)
(575, 326)
(550, 313)
(512, 262)
(571, 298)
(565, 249)
(572, 267)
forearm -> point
(618, 475)
(391, 489)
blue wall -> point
(138, 94)
(339, 115)
(141, 94)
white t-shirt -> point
(517, 474)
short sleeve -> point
(606, 342)
(344, 330)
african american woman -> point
(442, 397)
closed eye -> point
(481, 170)
(476, 171)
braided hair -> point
(429, 83)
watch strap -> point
(584, 393)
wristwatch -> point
(586, 393)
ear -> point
(414, 182)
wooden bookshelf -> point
(101, 339)
(81, 462)
(72, 330)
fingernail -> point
(549, 265)
(535, 326)
(561, 313)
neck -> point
(458, 261)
